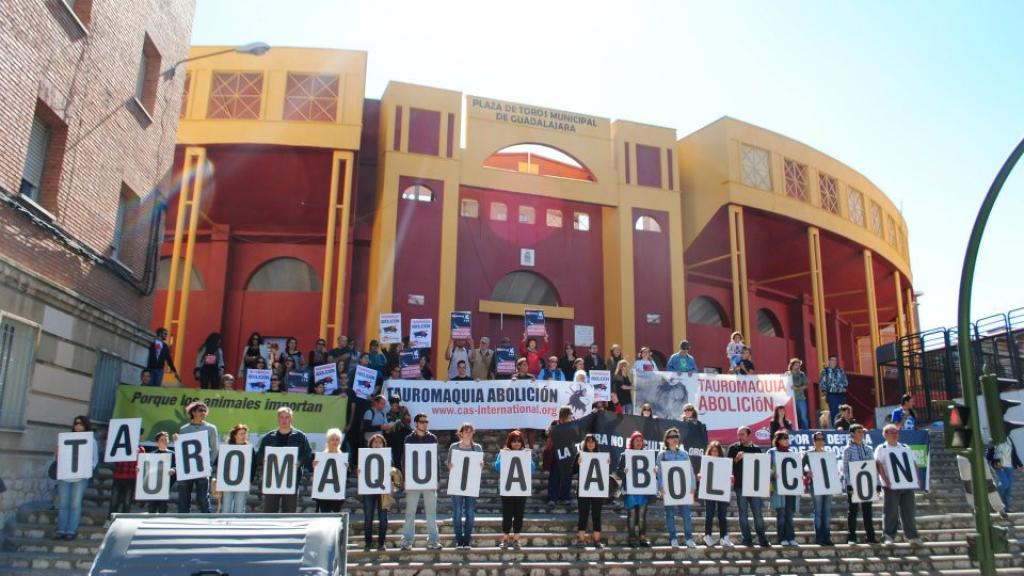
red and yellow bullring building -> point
(307, 209)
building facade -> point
(88, 137)
(322, 209)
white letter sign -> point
(193, 455)
(516, 473)
(464, 478)
(329, 475)
(234, 461)
(594, 474)
(862, 477)
(123, 440)
(420, 467)
(757, 475)
(280, 469)
(153, 481)
(900, 468)
(640, 478)
(374, 471)
(75, 455)
(677, 482)
(789, 475)
(714, 478)
(824, 467)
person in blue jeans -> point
(672, 453)
(464, 507)
(747, 504)
(785, 506)
(1004, 460)
(71, 492)
(799, 392)
(374, 504)
(714, 508)
(833, 383)
(822, 503)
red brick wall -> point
(85, 80)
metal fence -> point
(928, 363)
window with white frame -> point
(554, 218)
(581, 221)
(419, 193)
(527, 215)
(17, 356)
(469, 208)
(646, 224)
(499, 212)
(755, 167)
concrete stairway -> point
(944, 519)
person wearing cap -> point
(682, 361)
(197, 412)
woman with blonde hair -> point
(234, 502)
(622, 385)
(333, 447)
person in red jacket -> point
(124, 486)
(534, 356)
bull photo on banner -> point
(724, 401)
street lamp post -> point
(253, 48)
(983, 521)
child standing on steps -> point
(160, 506)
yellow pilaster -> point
(818, 293)
(912, 312)
(335, 244)
(448, 276)
(869, 281)
(738, 251)
(345, 215)
(677, 267)
(901, 318)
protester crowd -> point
(379, 422)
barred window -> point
(796, 180)
(829, 188)
(499, 212)
(527, 215)
(890, 224)
(469, 208)
(756, 167)
(554, 218)
(17, 357)
(236, 95)
(855, 201)
(876, 218)
(311, 97)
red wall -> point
(652, 283)
(417, 251)
(707, 343)
(771, 354)
(571, 260)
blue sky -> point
(924, 98)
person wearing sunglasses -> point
(822, 503)
(421, 435)
(512, 507)
(197, 412)
(674, 453)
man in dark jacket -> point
(285, 436)
(160, 356)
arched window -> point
(163, 276)
(647, 224)
(418, 192)
(768, 324)
(539, 160)
(706, 312)
(523, 287)
(284, 275)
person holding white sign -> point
(714, 508)
(421, 435)
(284, 437)
(822, 502)
(856, 451)
(197, 412)
(464, 507)
(234, 502)
(590, 507)
(744, 503)
(160, 506)
(376, 503)
(71, 491)
(785, 505)
(897, 467)
(672, 453)
(512, 507)
(333, 436)
(635, 504)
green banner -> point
(163, 409)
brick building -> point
(88, 129)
